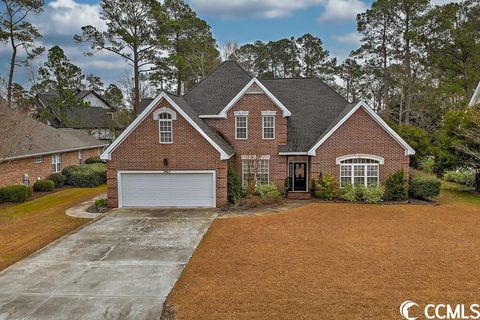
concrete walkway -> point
(80, 210)
(121, 266)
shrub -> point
(58, 179)
(268, 192)
(234, 186)
(313, 185)
(86, 175)
(372, 194)
(95, 159)
(464, 177)
(348, 193)
(327, 188)
(396, 187)
(16, 193)
(424, 187)
(67, 173)
(101, 203)
(286, 185)
(252, 201)
(43, 186)
(427, 164)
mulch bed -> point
(94, 209)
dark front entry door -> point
(299, 176)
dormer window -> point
(165, 117)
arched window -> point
(165, 124)
(165, 117)
(359, 170)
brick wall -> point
(11, 172)
(255, 144)
(141, 150)
(359, 134)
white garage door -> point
(174, 189)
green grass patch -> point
(65, 198)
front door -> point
(299, 176)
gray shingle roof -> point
(182, 103)
(44, 139)
(79, 118)
(214, 92)
(144, 104)
(314, 107)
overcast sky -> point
(241, 21)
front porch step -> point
(299, 195)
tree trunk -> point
(408, 69)
(136, 80)
(477, 181)
(465, 77)
(386, 80)
(179, 73)
(11, 71)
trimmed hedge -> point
(396, 187)
(95, 159)
(424, 187)
(86, 175)
(16, 193)
(58, 179)
(43, 186)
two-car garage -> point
(166, 189)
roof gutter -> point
(293, 153)
(52, 152)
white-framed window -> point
(38, 159)
(80, 156)
(268, 127)
(255, 171)
(359, 171)
(241, 127)
(165, 127)
(56, 162)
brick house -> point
(44, 150)
(178, 150)
(97, 119)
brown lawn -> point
(29, 226)
(334, 261)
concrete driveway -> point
(120, 267)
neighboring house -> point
(178, 150)
(96, 119)
(45, 150)
(476, 97)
